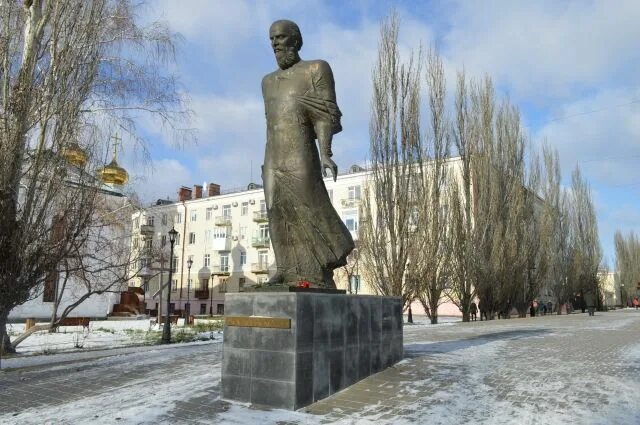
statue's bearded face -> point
(285, 45)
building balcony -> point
(260, 241)
(202, 294)
(221, 244)
(222, 221)
(146, 230)
(221, 270)
(350, 202)
(260, 217)
(259, 268)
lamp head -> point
(172, 235)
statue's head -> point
(286, 41)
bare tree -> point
(627, 262)
(587, 252)
(70, 72)
(495, 232)
(430, 268)
(555, 229)
(394, 138)
(462, 290)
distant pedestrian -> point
(549, 307)
(544, 309)
(636, 303)
(589, 301)
(474, 312)
(532, 309)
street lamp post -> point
(188, 306)
(211, 302)
(166, 331)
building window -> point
(192, 238)
(263, 206)
(224, 262)
(354, 283)
(209, 213)
(136, 223)
(220, 233)
(164, 219)
(174, 285)
(143, 263)
(242, 232)
(177, 238)
(241, 282)
(150, 220)
(179, 218)
(351, 223)
(203, 309)
(263, 258)
(207, 260)
(163, 240)
(172, 308)
(220, 309)
(204, 284)
(226, 211)
(135, 243)
(223, 285)
(243, 258)
(194, 215)
(174, 263)
(147, 243)
(263, 231)
(244, 208)
(353, 192)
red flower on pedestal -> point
(304, 284)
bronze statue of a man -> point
(308, 237)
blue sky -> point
(571, 67)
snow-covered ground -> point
(102, 334)
(549, 370)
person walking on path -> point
(636, 303)
(474, 312)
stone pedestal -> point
(288, 350)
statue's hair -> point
(293, 29)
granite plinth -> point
(334, 341)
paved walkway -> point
(552, 369)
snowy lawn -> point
(105, 334)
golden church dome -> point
(75, 155)
(112, 173)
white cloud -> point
(546, 49)
(162, 181)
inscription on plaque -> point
(258, 322)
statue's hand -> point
(328, 163)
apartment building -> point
(223, 242)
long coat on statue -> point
(308, 237)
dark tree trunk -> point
(5, 341)
(409, 315)
(466, 317)
(434, 319)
